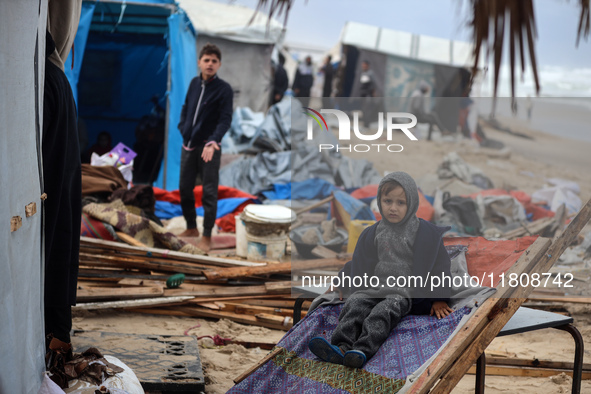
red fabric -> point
(223, 192)
(365, 192)
(536, 211)
(227, 223)
(426, 210)
(491, 257)
(93, 228)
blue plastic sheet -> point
(183, 63)
(167, 210)
(357, 209)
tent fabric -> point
(233, 22)
(72, 71)
(246, 67)
(254, 175)
(183, 64)
(112, 91)
(22, 345)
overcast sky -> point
(319, 23)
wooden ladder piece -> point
(465, 348)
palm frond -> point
(275, 8)
(584, 22)
(493, 20)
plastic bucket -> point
(241, 242)
(265, 248)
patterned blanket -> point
(124, 219)
(297, 370)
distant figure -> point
(367, 80)
(280, 81)
(304, 79)
(102, 146)
(418, 107)
(529, 105)
(367, 89)
(149, 144)
(328, 71)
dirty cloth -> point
(454, 166)
(142, 229)
(101, 180)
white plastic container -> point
(265, 248)
(241, 242)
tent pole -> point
(167, 120)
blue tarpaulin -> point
(357, 209)
(183, 64)
(167, 210)
(310, 189)
(122, 55)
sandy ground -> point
(525, 166)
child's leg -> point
(379, 323)
(356, 309)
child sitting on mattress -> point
(400, 245)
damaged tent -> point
(401, 60)
(134, 60)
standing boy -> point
(205, 118)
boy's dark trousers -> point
(192, 165)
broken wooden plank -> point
(270, 318)
(324, 253)
(503, 370)
(235, 317)
(574, 300)
(101, 293)
(533, 363)
(126, 262)
(220, 291)
(155, 252)
(279, 268)
(315, 205)
(128, 239)
(533, 228)
(160, 301)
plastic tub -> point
(265, 248)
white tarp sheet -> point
(414, 46)
(232, 22)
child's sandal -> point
(325, 351)
(354, 359)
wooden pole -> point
(252, 369)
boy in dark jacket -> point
(399, 246)
(205, 118)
